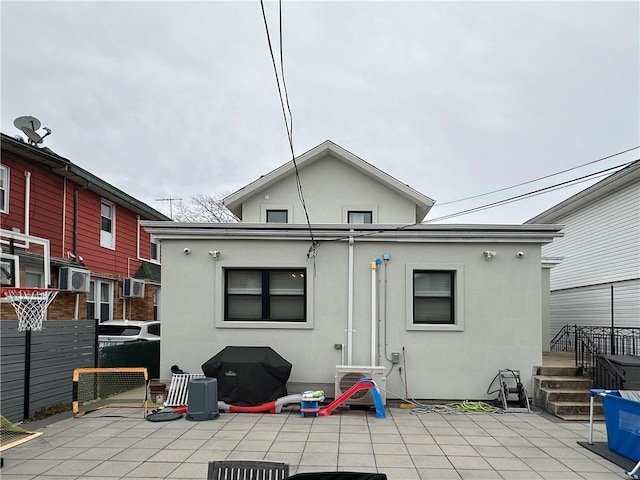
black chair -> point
(338, 476)
(247, 469)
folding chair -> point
(247, 470)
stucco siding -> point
(323, 182)
(501, 299)
(601, 242)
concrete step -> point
(581, 418)
(561, 409)
(555, 382)
(559, 371)
(568, 395)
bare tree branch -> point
(203, 208)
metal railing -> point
(606, 375)
(589, 342)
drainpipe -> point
(76, 190)
(27, 201)
(64, 215)
(75, 221)
(374, 267)
(350, 305)
(386, 257)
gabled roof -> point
(615, 182)
(65, 168)
(234, 201)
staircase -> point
(560, 389)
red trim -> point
(19, 290)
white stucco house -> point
(362, 283)
(600, 249)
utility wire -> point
(288, 122)
(534, 193)
(537, 179)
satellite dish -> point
(33, 136)
(27, 121)
(29, 125)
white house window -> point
(277, 216)
(107, 224)
(99, 300)
(154, 252)
(433, 297)
(33, 279)
(268, 295)
(8, 271)
(4, 189)
(354, 216)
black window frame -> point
(360, 212)
(278, 211)
(265, 295)
(451, 297)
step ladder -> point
(512, 392)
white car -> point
(116, 332)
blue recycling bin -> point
(622, 419)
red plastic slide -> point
(356, 387)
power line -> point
(534, 193)
(524, 196)
(537, 179)
(288, 122)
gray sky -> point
(455, 99)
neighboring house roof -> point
(615, 182)
(65, 168)
(234, 201)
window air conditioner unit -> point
(133, 288)
(74, 279)
(348, 375)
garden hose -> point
(473, 407)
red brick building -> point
(104, 263)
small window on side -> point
(277, 216)
(360, 217)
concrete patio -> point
(119, 444)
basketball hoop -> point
(30, 305)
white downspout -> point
(373, 312)
(350, 306)
(27, 201)
(64, 215)
(138, 236)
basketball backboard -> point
(24, 260)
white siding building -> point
(600, 251)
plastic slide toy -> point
(362, 384)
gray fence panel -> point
(61, 347)
(12, 367)
(56, 350)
